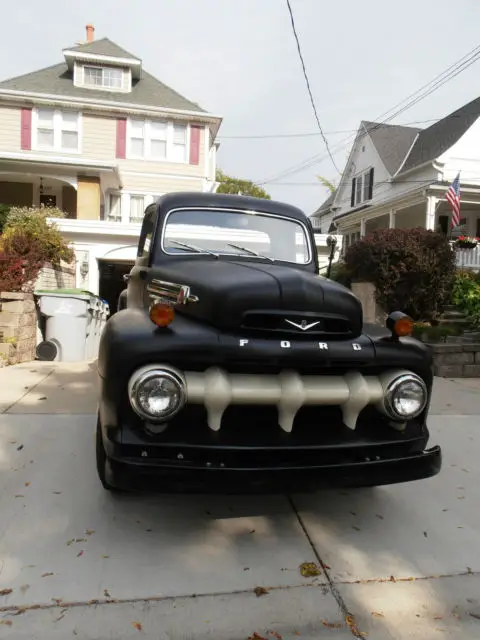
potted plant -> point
(466, 242)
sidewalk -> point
(49, 387)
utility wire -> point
(313, 133)
(451, 72)
(292, 20)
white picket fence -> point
(469, 258)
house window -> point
(57, 130)
(362, 188)
(157, 140)
(108, 77)
(179, 143)
(137, 208)
(115, 207)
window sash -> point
(60, 128)
(158, 140)
(359, 190)
(109, 77)
(137, 208)
(115, 207)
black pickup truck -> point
(234, 366)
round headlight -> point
(406, 397)
(156, 394)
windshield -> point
(225, 232)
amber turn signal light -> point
(162, 314)
(400, 324)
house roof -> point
(325, 206)
(441, 135)
(392, 142)
(58, 80)
(102, 47)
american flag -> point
(453, 197)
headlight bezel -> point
(393, 388)
(145, 374)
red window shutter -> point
(195, 144)
(26, 129)
(121, 138)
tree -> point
(327, 184)
(237, 186)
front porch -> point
(78, 188)
(430, 211)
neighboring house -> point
(99, 137)
(397, 177)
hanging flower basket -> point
(465, 242)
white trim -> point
(177, 176)
(405, 158)
(95, 227)
(57, 131)
(98, 56)
(125, 107)
(47, 159)
(206, 150)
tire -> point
(101, 457)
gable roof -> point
(391, 141)
(325, 206)
(102, 47)
(441, 135)
(58, 81)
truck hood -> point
(237, 294)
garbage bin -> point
(69, 314)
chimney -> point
(90, 32)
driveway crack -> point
(349, 617)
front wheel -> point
(101, 457)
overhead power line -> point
(448, 74)
(311, 134)
(292, 20)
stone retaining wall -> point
(18, 328)
(456, 360)
(51, 277)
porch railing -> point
(469, 258)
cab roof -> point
(222, 200)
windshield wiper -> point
(250, 251)
(192, 247)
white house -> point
(397, 177)
(99, 137)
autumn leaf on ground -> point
(19, 495)
(57, 493)
(105, 557)
(5, 592)
(356, 528)
(8, 623)
(24, 588)
(275, 635)
(332, 625)
(89, 532)
(106, 593)
(27, 484)
(260, 591)
(376, 614)
(475, 615)
(137, 626)
(310, 569)
(256, 636)
(377, 515)
(45, 575)
(20, 611)
(80, 553)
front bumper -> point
(157, 475)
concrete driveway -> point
(397, 562)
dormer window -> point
(109, 77)
(106, 78)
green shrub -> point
(466, 296)
(412, 269)
(340, 273)
(4, 211)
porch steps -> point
(452, 316)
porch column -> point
(363, 226)
(430, 217)
(391, 219)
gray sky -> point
(238, 59)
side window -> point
(146, 235)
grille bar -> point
(288, 391)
